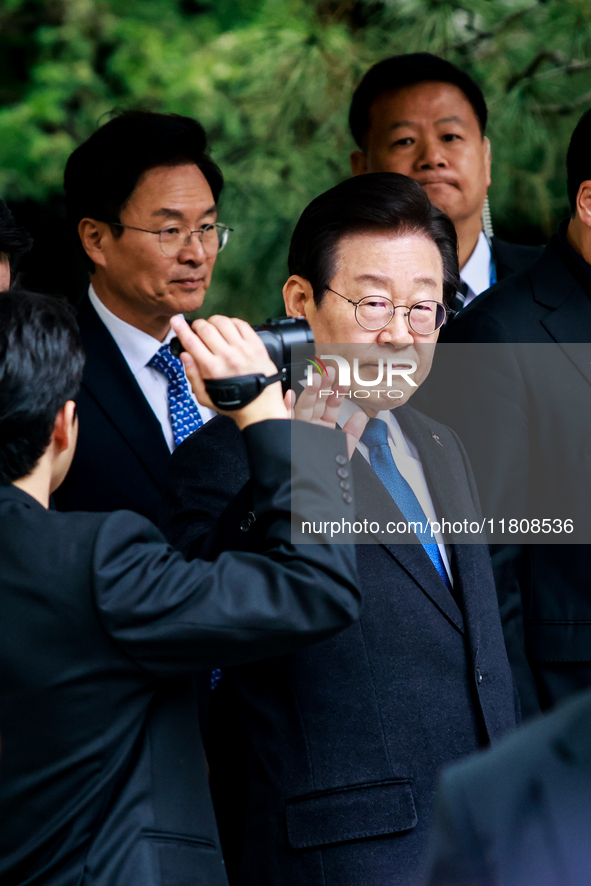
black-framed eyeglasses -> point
(375, 312)
(174, 237)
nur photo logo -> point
(387, 370)
(316, 364)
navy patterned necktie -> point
(375, 437)
(184, 414)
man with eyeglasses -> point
(337, 748)
(141, 194)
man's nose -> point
(397, 331)
(192, 249)
(431, 154)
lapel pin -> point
(437, 440)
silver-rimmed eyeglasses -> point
(375, 312)
(174, 237)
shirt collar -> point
(137, 346)
(476, 271)
(349, 408)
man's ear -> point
(66, 427)
(92, 235)
(298, 296)
(584, 203)
(358, 163)
(487, 159)
(63, 441)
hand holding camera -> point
(230, 369)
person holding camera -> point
(324, 762)
(105, 627)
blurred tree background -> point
(271, 80)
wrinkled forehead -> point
(371, 257)
(432, 102)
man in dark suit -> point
(422, 116)
(141, 195)
(519, 814)
(102, 773)
(344, 743)
(525, 400)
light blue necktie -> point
(375, 437)
(184, 414)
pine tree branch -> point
(532, 67)
(568, 108)
(480, 36)
(572, 67)
(561, 66)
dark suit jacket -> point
(121, 456)
(102, 773)
(519, 814)
(526, 414)
(512, 257)
(344, 742)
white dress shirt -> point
(138, 348)
(408, 462)
(477, 271)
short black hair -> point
(377, 201)
(14, 240)
(406, 70)
(41, 361)
(102, 173)
(578, 159)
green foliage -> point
(271, 81)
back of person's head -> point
(375, 202)
(14, 240)
(406, 70)
(102, 173)
(41, 361)
(578, 158)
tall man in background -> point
(420, 115)
(141, 195)
(527, 403)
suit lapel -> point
(501, 258)
(562, 289)
(373, 503)
(570, 322)
(109, 381)
(512, 257)
(447, 477)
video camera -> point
(278, 335)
